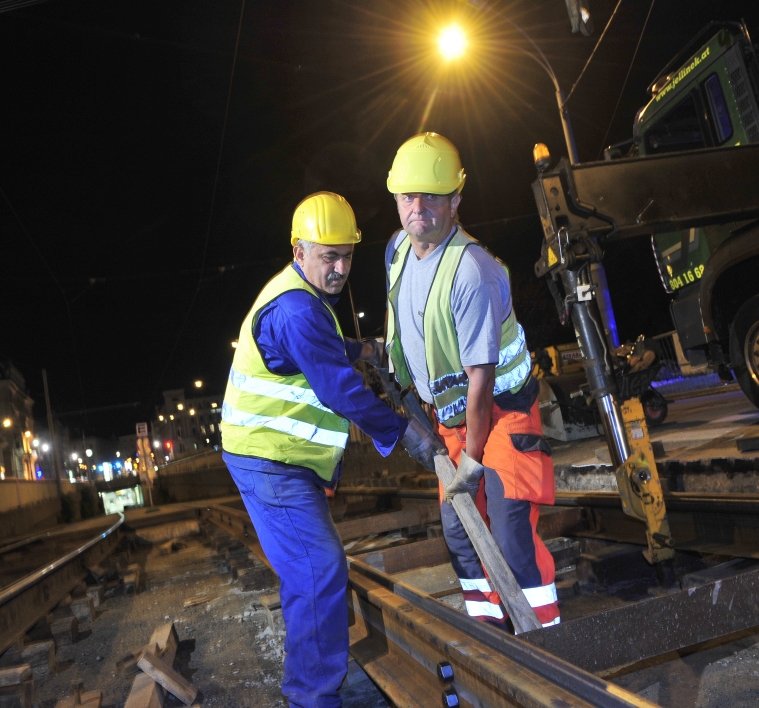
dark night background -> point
(133, 243)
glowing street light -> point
(180, 406)
(74, 456)
(88, 452)
(452, 42)
(45, 447)
(198, 384)
(7, 423)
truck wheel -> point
(744, 348)
(655, 407)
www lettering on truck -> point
(682, 74)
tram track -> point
(648, 623)
(405, 604)
(27, 600)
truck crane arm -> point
(583, 206)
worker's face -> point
(428, 217)
(325, 267)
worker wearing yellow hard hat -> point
(453, 333)
(291, 397)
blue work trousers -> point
(292, 520)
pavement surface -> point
(697, 428)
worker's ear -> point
(455, 201)
(299, 254)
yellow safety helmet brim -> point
(326, 218)
(427, 163)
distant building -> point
(185, 425)
(17, 457)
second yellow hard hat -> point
(326, 218)
(427, 163)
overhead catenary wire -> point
(210, 211)
(31, 240)
(8, 5)
(592, 54)
(624, 85)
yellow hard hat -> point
(427, 163)
(326, 218)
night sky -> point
(133, 243)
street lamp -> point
(7, 423)
(451, 42)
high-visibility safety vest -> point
(274, 416)
(449, 383)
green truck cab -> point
(707, 96)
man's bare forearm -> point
(479, 408)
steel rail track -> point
(399, 635)
(676, 501)
(26, 601)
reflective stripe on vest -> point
(284, 425)
(278, 417)
(449, 383)
(274, 389)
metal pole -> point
(51, 428)
(353, 310)
(566, 124)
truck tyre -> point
(655, 407)
(744, 348)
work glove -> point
(375, 357)
(422, 444)
(467, 478)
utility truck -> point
(689, 181)
(707, 96)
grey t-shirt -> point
(480, 302)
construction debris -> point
(162, 673)
(198, 600)
(146, 693)
(17, 684)
(80, 697)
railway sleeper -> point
(17, 687)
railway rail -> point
(401, 634)
(24, 602)
(411, 637)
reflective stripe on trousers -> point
(482, 602)
(513, 524)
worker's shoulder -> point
(394, 243)
(296, 302)
(479, 261)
